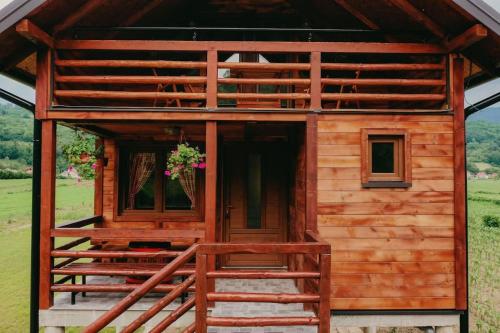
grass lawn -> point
(75, 201)
(484, 256)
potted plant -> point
(83, 154)
(182, 164)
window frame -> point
(401, 177)
(159, 213)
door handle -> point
(227, 211)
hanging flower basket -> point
(182, 164)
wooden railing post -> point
(201, 293)
(315, 80)
(212, 79)
(47, 211)
(324, 293)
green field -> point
(74, 200)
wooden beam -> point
(470, 36)
(77, 15)
(460, 185)
(138, 15)
(179, 115)
(419, 16)
(33, 33)
(312, 172)
(211, 192)
(47, 211)
(43, 71)
(278, 47)
(211, 78)
(357, 14)
(315, 81)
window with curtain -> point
(144, 186)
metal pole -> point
(35, 225)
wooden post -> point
(211, 191)
(212, 76)
(324, 293)
(460, 186)
(47, 210)
(311, 171)
(201, 293)
(43, 72)
(98, 181)
(315, 80)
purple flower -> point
(194, 165)
(167, 173)
(94, 166)
(202, 165)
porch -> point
(192, 247)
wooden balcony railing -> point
(214, 75)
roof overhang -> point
(15, 11)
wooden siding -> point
(391, 248)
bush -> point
(13, 174)
(491, 221)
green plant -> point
(83, 154)
(82, 145)
(491, 221)
(184, 159)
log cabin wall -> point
(392, 248)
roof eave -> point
(15, 11)
(483, 12)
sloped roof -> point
(448, 18)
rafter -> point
(357, 14)
(136, 17)
(77, 15)
(467, 38)
(419, 16)
(33, 33)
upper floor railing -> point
(273, 76)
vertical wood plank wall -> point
(391, 248)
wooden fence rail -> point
(296, 76)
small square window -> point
(385, 158)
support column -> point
(35, 226)
(47, 210)
(460, 185)
(311, 172)
(98, 180)
(211, 192)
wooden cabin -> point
(334, 142)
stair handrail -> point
(139, 292)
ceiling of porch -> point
(381, 20)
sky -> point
(471, 95)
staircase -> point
(245, 299)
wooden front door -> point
(255, 199)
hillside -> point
(16, 130)
(16, 135)
(483, 143)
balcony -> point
(242, 76)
